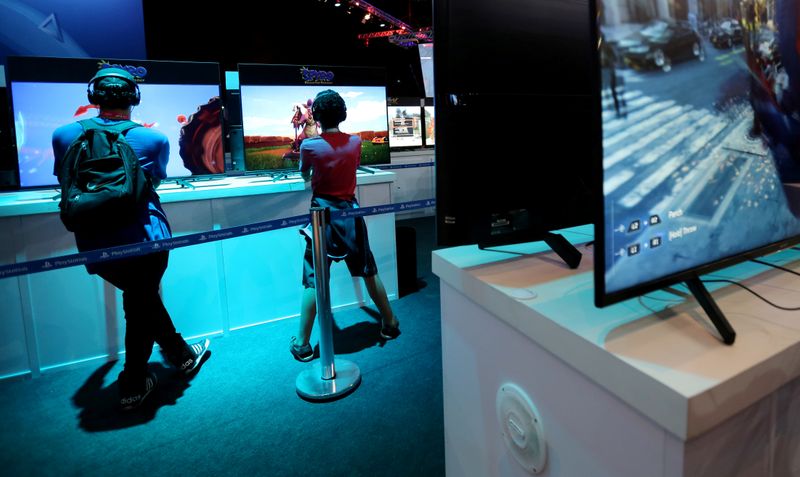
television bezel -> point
(36, 65)
(603, 298)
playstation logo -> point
(104, 255)
(47, 265)
(156, 246)
(245, 230)
(284, 223)
(203, 237)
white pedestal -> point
(642, 388)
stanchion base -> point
(311, 386)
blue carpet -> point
(241, 415)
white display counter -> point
(62, 316)
(641, 388)
(414, 180)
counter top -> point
(42, 201)
(659, 353)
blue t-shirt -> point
(152, 147)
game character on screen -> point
(147, 321)
(303, 121)
(330, 161)
(201, 139)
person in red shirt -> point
(330, 161)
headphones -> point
(96, 97)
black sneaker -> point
(391, 332)
(303, 353)
(193, 356)
(130, 400)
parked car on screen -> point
(660, 44)
(726, 33)
(379, 140)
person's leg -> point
(308, 311)
(377, 292)
(299, 345)
(160, 322)
(361, 263)
(181, 355)
(126, 275)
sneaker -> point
(193, 356)
(301, 353)
(130, 400)
(391, 332)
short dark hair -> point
(329, 108)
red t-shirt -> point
(334, 158)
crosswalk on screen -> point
(700, 134)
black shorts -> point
(344, 235)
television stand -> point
(706, 301)
(560, 245)
(184, 184)
(564, 249)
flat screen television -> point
(276, 104)
(699, 153)
(405, 123)
(429, 123)
(513, 150)
(181, 99)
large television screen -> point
(405, 123)
(700, 140)
(180, 99)
(276, 111)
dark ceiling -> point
(313, 32)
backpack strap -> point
(120, 128)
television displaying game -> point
(700, 141)
(405, 123)
(277, 111)
(429, 122)
(180, 99)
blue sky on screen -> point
(267, 110)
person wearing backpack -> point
(108, 168)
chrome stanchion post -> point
(330, 378)
(322, 284)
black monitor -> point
(514, 119)
(276, 104)
(699, 157)
(181, 99)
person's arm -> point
(305, 163)
(61, 140)
(159, 171)
(153, 150)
